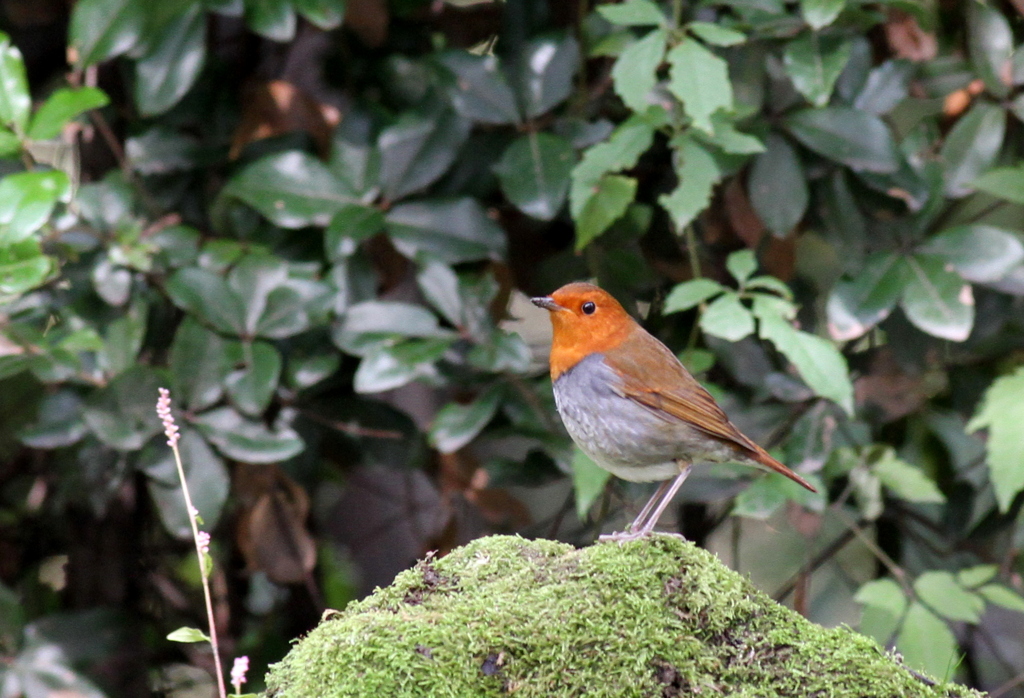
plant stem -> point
(203, 575)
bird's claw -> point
(628, 535)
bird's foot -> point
(628, 535)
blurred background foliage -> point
(318, 223)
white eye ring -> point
(588, 308)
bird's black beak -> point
(546, 302)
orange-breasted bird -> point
(631, 406)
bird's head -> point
(585, 320)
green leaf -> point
(939, 590)
(102, 29)
(728, 318)
(26, 201)
(884, 605)
(857, 139)
(324, 14)
(817, 360)
(728, 139)
(122, 339)
(455, 425)
(199, 365)
(637, 13)
(207, 296)
(697, 361)
(371, 322)
(439, 284)
(274, 304)
(778, 186)
(698, 174)
(355, 161)
(621, 151)
(548, 65)
(481, 91)
(906, 481)
(534, 172)
(386, 367)
(971, 577)
(248, 441)
(886, 86)
(123, 414)
(253, 382)
(351, 225)
(418, 149)
(453, 231)
(291, 189)
(926, 642)
(700, 79)
(61, 107)
(59, 422)
(1002, 413)
(188, 635)
(771, 284)
(978, 252)
(690, 294)
(588, 481)
(814, 63)
(635, 72)
(306, 371)
(765, 495)
(10, 144)
(1003, 182)
(613, 195)
(23, 266)
(856, 305)
(15, 101)
(500, 352)
(972, 147)
(990, 44)
(1001, 596)
(207, 477)
(741, 264)
(821, 13)
(937, 300)
(274, 19)
(716, 34)
(173, 62)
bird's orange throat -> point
(575, 340)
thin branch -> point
(898, 572)
(814, 563)
(353, 429)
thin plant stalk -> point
(164, 410)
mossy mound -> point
(656, 617)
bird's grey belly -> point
(621, 435)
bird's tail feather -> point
(762, 457)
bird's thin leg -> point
(641, 518)
(652, 511)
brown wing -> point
(653, 377)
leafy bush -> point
(310, 222)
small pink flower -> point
(163, 410)
(203, 539)
(238, 672)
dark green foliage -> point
(317, 224)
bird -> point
(631, 406)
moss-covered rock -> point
(656, 617)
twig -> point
(894, 569)
(353, 429)
(813, 564)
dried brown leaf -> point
(277, 107)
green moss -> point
(656, 617)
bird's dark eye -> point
(588, 308)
